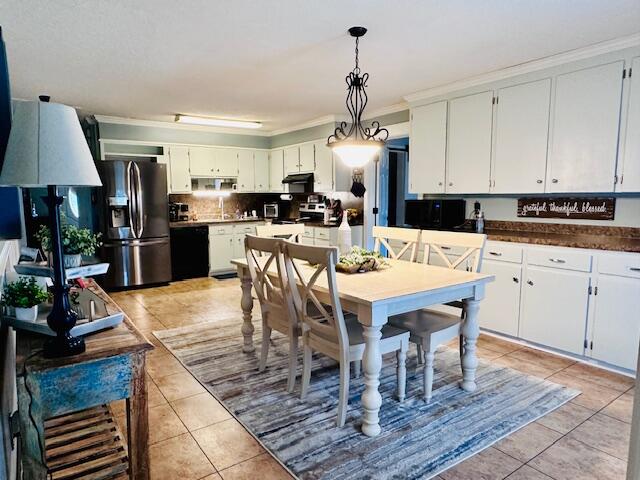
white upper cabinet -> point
(428, 147)
(180, 176)
(246, 171)
(630, 172)
(261, 164)
(307, 162)
(291, 160)
(276, 170)
(226, 164)
(469, 143)
(584, 130)
(521, 133)
(323, 173)
(202, 161)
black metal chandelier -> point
(354, 143)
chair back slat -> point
(291, 232)
(434, 240)
(318, 320)
(408, 236)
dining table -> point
(398, 287)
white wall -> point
(627, 212)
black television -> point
(10, 198)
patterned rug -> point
(418, 440)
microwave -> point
(435, 214)
(271, 210)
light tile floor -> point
(193, 437)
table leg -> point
(247, 305)
(470, 332)
(31, 433)
(371, 364)
(138, 421)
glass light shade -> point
(356, 153)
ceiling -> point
(282, 62)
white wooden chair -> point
(409, 237)
(326, 329)
(291, 232)
(261, 254)
(431, 328)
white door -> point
(307, 158)
(261, 165)
(554, 310)
(500, 308)
(221, 250)
(276, 170)
(428, 148)
(202, 161)
(521, 133)
(616, 332)
(226, 162)
(323, 173)
(584, 130)
(469, 143)
(630, 178)
(180, 176)
(246, 171)
(166, 160)
(291, 160)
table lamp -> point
(47, 148)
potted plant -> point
(75, 243)
(24, 295)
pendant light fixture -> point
(352, 142)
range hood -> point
(299, 182)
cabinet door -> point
(616, 331)
(180, 176)
(226, 164)
(469, 143)
(428, 147)
(246, 171)
(554, 311)
(630, 174)
(500, 309)
(261, 165)
(202, 161)
(584, 130)
(323, 173)
(307, 158)
(291, 160)
(276, 171)
(238, 245)
(521, 133)
(221, 250)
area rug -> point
(418, 440)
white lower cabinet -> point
(500, 309)
(221, 251)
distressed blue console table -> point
(112, 368)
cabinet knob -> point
(515, 280)
(538, 181)
(451, 184)
(529, 282)
(554, 180)
(439, 184)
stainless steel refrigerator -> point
(135, 223)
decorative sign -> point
(588, 208)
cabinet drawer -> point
(250, 229)
(322, 234)
(220, 229)
(308, 232)
(564, 259)
(619, 264)
(502, 252)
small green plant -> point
(23, 293)
(74, 240)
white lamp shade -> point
(356, 153)
(47, 147)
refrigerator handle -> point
(139, 208)
(130, 199)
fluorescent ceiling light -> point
(216, 122)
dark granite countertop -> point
(203, 222)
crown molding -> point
(529, 67)
(316, 122)
(178, 126)
(395, 108)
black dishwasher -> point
(189, 252)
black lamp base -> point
(63, 346)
